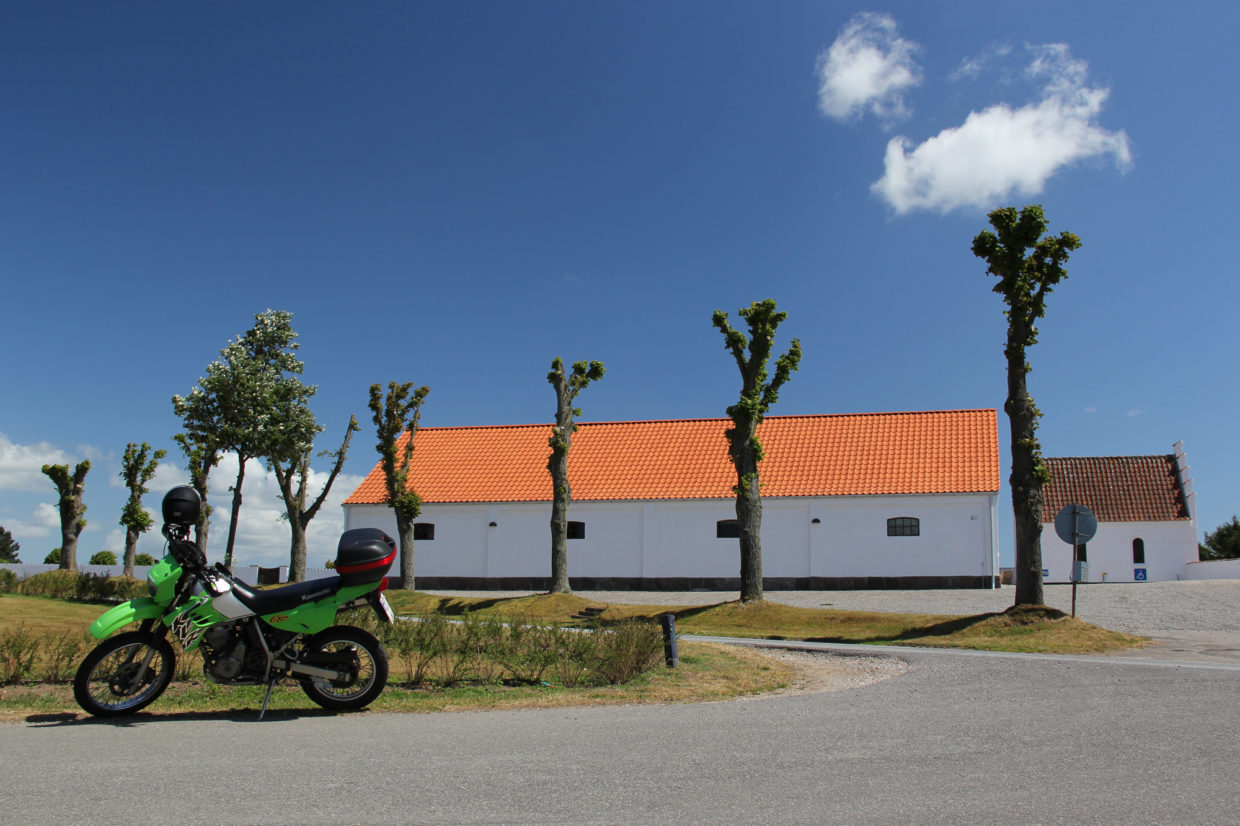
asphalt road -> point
(959, 739)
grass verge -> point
(707, 672)
(1027, 629)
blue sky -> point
(456, 193)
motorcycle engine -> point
(224, 653)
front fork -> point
(147, 626)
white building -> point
(1146, 510)
(884, 500)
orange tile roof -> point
(1116, 488)
(952, 451)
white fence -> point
(1213, 569)
(246, 573)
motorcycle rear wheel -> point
(352, 650)
(123, 674)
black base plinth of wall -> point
(811, 583)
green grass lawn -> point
(708, 672)
(1029, 630)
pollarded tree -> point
(71, 508)
(137, 469)
(251, 402)
(297, 513)
(566, 389)
(396, 414)
(8, 546)
(757, 396)
(1028, 267)
(200, 457)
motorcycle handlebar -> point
(186, 552)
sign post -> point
(1076, 525)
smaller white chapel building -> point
(1146, 511)
(881, 500)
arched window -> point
(727, 529)
(1138, 551)
(904, 526)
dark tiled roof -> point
(950, 451)
(1116, 488)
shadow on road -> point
(70, 718)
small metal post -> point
(668, 621)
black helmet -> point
(182, 506)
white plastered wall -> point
(1169, 547)
(676, 538)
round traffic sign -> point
(1076, 524)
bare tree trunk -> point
(1026, 486)
(68, 547)
(236, 509)
(404, 527)
(749, 525)
(131, 549)
(559, 523)
(297, 551)
(203, 527)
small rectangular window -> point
(727, 529)
(1138, 551)
(576, 530)
(904, 526)
(423, 530)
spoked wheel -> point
(123, 674)
(358, 656)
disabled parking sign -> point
(1138, 575)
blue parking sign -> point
(1138, 575)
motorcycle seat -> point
(286, 597)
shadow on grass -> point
(456, 607)
(938, 629)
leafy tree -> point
(71, 508)
(757, 396)
(105, 558)
(298, 514)
(8, 546)
(395, 414)
(252, 403)
(1222, 543)
(566, 389)
(200, 457)
(144, 559)
(1028, 267)
(137, 469)
(53, 557)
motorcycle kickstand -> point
(267, 699)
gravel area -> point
(834, 672)
(1150, 608)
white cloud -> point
(21, 465)
(1132, 414)
(972, 67)
(1091, 410)
(866, 69)
(45, 521)
(263, 536)
(1001, 152)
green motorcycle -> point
(246, 636)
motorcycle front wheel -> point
(358, 655)
(124, 674)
